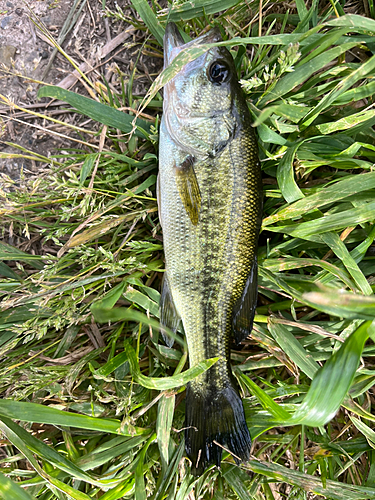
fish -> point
(209, 194)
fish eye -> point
(218, 72)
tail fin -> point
(215, 417)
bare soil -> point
(25, 55)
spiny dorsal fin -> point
(188, 188)
(168, 313)
(244, 309)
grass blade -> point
(164, 425)
(332, 489)
(23, 439)
(10, 490)
(341, 189)
(290, 345)
(285, 176)
(188, 10)
(102, 113)
(149, 18)
(338, 247)
(32, 412)
(332, 382)
(334, 222)
(165, 383)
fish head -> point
(198, 101)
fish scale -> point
(210, 202)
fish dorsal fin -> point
(244, 309)
(188, 188)
(168, 313)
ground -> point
(25, 55)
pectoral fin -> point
(244, 309)
(168, 313)
(188, 188)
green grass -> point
(92, 400)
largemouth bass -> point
(210, 204)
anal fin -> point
(244, 309)
(188, 188)
(169, 317)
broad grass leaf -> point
(21, 314)
(302, 11)
(150, 181)
(185, 487)
(190, 10)
(340, 190)
(104, 371)
(364, 70)
(285, 175)
(291, 80)
(259, 421)
(142, 300)
(332, 222)
(355, 408)
(110, 450)
(332, 489)
(32, 412)
(119, 491)
(331, 384)
(237, 479)
(365, 430)
(291, 112)
(290, 345)
(104, 311)
(29, 455)
(269, 136)
(341, 304)
(321, 44)
(354, 21)
(346, 123)
(99, 112)
(171, 472)
(22, 439)
(289, 263)
(356, 94)
(110, 298)
(87, 166)
(149, 18)
(338, 247)
(363, 382)
(164, 426)
(123, 314)
(359, 252)
(9, 252)
(165, 383)
(7, 272)
(140, 490)
(265, 400)
(71, 285)
(9, 490)
(96, 231)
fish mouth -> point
(174, 43)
